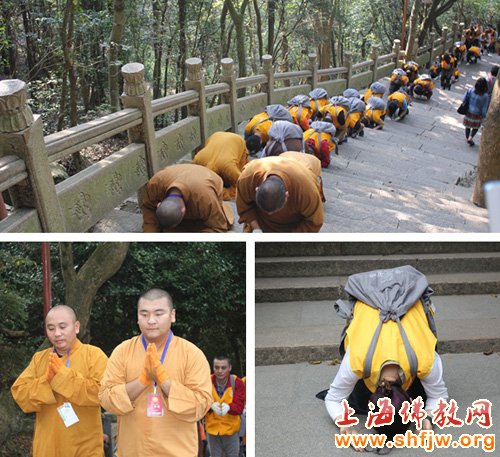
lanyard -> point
(67, 361)
(164, 353)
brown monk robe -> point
(302, 210)
(311, 162)
(226, 154)
(199, 188)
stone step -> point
(332, 287)
(362, 202)
(320, 248)
(301, 331)
(275, 267)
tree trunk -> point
(115, 40)
(488, 166)
(258, 20)
(271, 15)
(81, 286)
(237, 18)
(427, 22)
(410, 45)
(30, 40)
(181, 60)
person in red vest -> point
(222, 422)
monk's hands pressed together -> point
(158, 372)
(145, 378)
(55, 364)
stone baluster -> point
(137, 94)
(431, 51)
(396, 49)
(21, 135)
(313, 66)
(445, 38)
(375, 54)
(231, 98)
(196, 81)
(268, 70)
(348, 64)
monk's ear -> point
(256, 189)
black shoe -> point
(471, 142)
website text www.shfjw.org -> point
(426, 439)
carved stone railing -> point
(78, 202)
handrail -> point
(217, 89)
(292, 75)
(65, 142)
(12, 171)
(248, 81)
(360, 65)
(172, 102)
(332, 71)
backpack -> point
(393, 292)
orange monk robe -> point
(78, 385)
(201, 190)
(303, 211)
(226, 154)
(175, 434)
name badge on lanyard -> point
(68, 414)
(154, 406)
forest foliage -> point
(70, 51)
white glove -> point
(216, 408)
(257, 231)
(224, 408)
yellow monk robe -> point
(201, 190)
(226, 154)
(369, 93)
(390, 346)
(475, 50)
(375, 116)
(303, 211)
(78, 385)
(261, 123)
(427, 84)
(305, 114)
(175, 434)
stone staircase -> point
(296, 285)
(399, 179)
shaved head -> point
(62, 328)
(271, 194)
(170, 212)
(62, 309)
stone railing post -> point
(313, 66)
(396, 48)
(445, 38)
(231, 98)
(431, 51)
(375, 54)
(196, 81)
(455, 31)
(137, 94)
(268, 70)
(348, 64)
(21, 134)
(461, 28)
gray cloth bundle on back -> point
(376, 103)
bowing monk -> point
(185, 198)
(60, 385)
(226, 154)
(158, 385)
(280, 194)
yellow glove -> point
(145, 376)
(158, 370)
